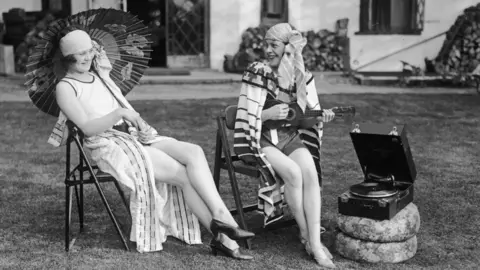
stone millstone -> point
(364, 251)
(404, 225)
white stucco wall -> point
(439, 17)
(79, 6)
(228, 20)
(232, 17)
(304, 14)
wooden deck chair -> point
(76, 179)
(233, 165)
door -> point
(188, 33)
(153, 14)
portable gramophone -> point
(388, 171)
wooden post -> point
(7, 60)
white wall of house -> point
(228, 20)
(439, 17)
(304, 14)
(79, 6)
(27, 5)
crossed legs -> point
(184, 164)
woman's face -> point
(83, 61)
(274, 52)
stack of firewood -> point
(460, 53)
(31, 39)
(325, 50)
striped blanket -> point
(157, 210)
(259, 83)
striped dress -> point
(259, 84)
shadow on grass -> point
(443, 133)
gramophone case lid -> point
(384, 150)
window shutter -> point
(365, 15)
(419, 15)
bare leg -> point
(199, 175)
(168, 170)
(290, 172)
(312, 206)
(311, 194)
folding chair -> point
(233, 164)
(96, 177)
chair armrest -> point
(74, 130)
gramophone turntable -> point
(373, 190)
(389, 172)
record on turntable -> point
(373, 190)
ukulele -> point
(297, 118)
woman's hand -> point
(133, 117)
(327, 116)
(277, 112)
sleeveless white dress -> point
(95, 98)
(158, 210)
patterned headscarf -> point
(291, 69)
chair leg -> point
(83, 156)
(80, 210)
(238, 203)
(68, 213)
(112, 216)
(79, 207)
(218, 160)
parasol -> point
(123, 36)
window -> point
(59, 8)
(391, 16)
(274, 11)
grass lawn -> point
(443, 133)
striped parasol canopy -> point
(125, 39)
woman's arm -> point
(277, 112)
(266, 115)
(73, 110)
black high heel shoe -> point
(217, 246)
(234, 233)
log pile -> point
(31, 39)
(251, 48)
(325, 50)
(460, 52)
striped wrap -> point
(259, 83)
(158, 209)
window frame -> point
(272, 19)
(366, 21)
